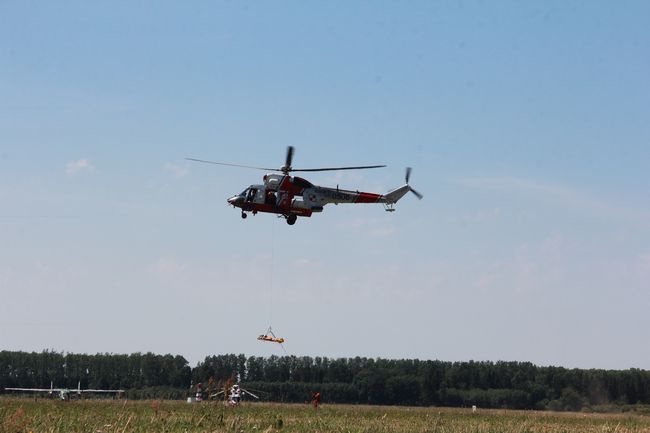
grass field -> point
(28, 415)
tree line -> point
(520, 385)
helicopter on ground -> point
(292, 196)
(234, 395)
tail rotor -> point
(407, 177)
(391, 197)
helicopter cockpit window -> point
(251, 194)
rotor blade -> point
(231, 165)
(417, 194)
(408, 174)
(338, 168)
(256, 390)
(251, 394)
(289, 158)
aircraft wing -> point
(33, 389)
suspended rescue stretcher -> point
(270, 337)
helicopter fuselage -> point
(292, 196)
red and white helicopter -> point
(293, 196)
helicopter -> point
(292, 196)
(234, 395)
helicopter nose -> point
(235, 200)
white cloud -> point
(74, 167)
(643, 265)
(383, 232)
(479, 216)
(373, 227)
(177, 171)
(166, 268)
(560, 194)
(348, 178)
(530, 268)
(6, 274)
(302, 262)
(506, 183)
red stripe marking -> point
(367, 197)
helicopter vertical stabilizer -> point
(393, 196)
(396, 194)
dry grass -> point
(25, 415)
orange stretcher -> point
(270, 337)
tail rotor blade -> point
(408, 177)
(417, 194)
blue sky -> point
(527, 125)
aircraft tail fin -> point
(396, 194)
(393, 196)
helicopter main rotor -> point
(287, 168)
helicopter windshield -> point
(250, 193)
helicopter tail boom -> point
(393, 196)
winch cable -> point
(270, 285)
(272, 273)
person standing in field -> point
(315, 399)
